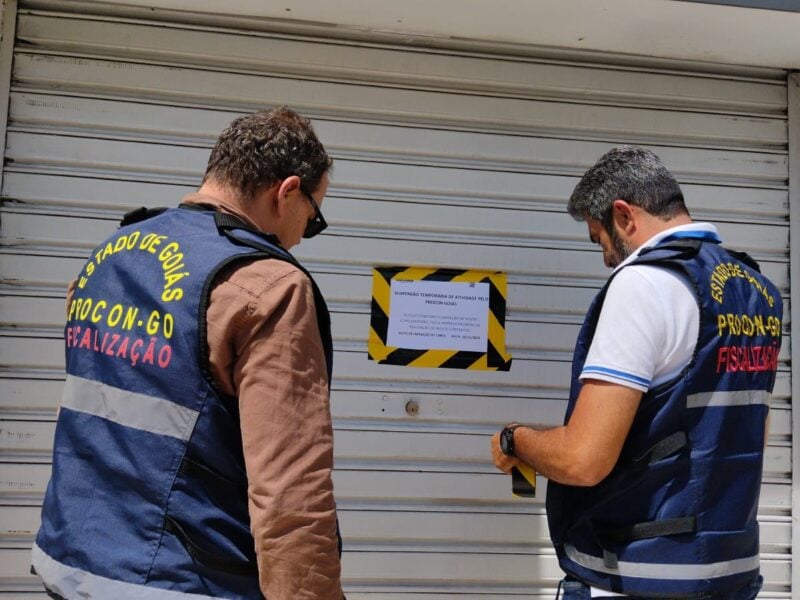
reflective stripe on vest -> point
(70, 582)
(737, 398)
(683, 572)
(131, 409)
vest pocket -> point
(218, 486)
(206, 558)
(604, 537)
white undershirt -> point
(648, 327)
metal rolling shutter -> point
(446, 154)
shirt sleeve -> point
(630, 337)
(265, 348)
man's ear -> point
(624, 216)
(288, 185)
(266, 197)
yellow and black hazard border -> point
(494, 359)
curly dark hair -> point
(264, 147)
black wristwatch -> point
(507, 439)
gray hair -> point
(629, 173)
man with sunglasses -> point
(194, 445)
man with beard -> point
(654, 477)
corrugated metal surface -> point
(793, 95)
(443, 157)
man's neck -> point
(221, 193)
(232, 201)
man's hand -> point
(583, 452)
(70, 293)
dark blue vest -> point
(676, 517)
(148, 496)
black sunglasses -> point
(317, 223)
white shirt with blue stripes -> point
(649, 323)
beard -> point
(622, 249)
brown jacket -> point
(266, 350)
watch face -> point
(507, 441)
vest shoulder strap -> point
(140, 214)
(226, 223)
(745, 258)
(685, 248)
(679, 249)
